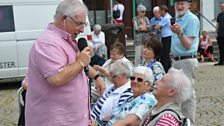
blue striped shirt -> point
(110, 99)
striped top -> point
(167, 120)
(110, 99)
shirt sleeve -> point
(167, 120)
(192, 29)
(164, 22)
(50, 58)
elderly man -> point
(116, 94)
(172, 90)
(184, 47)
(58, 92)
(154, 21)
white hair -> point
(141, 8)
(156, 9)
(120, 67)
(70, 8)
(181, 83)
(147, 72)
(97, 27)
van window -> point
(6, 19)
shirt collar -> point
(59, 31)
(122, 88)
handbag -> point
(116, 13)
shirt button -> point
(85, 115)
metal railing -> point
(200, 14)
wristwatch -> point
(98, 75)
(181, 34)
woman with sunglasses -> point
(141, 26)
(132, 111)
(152, 50)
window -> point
(6, 19)
(97, 13)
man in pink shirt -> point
(58, 93)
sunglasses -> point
(132, 78)
(143, 11)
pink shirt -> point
(66, 105)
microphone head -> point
(82, 43)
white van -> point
(21, 21)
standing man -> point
(58, 93)
(154, 21)
(184, 47)
(166, 33)
(220, 33)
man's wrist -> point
(180, 35)
(97, 76)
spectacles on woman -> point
(132, 78)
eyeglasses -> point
(143, 11)
(132, 78)
(78, 23)
(114, 76)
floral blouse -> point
(138, 106)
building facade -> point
(100, 11)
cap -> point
(182, 0)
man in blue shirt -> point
(184, 47)
(166, 33)
(154, 21)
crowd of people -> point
(150, 92)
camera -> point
(172, 21)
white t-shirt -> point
(121, 8)
(98, 39)
(112, 101)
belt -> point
(184, 57)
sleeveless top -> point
(204, 43)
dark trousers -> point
(220, 41)
(165, 56)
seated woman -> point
(170, 92)
(117, 51)
(152, 50)
(98, 41)
(114, 95)
(205, 47)
(141, 102)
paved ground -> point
(209, 89)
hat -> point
(182, 0)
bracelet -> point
(81, 63)
(180, 35)
(98, 75)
